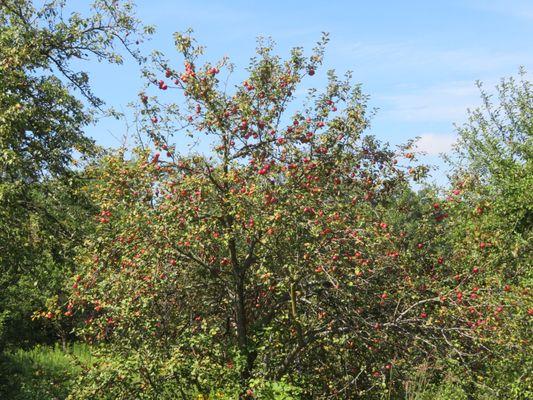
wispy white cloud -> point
(436, 143)
(444, 102)
(514, 8)
(419, 57)
(408, 73)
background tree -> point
(42, 117)
(492, 172)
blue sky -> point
(418, 60)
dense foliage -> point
(295, 254)
(41, 132)
(294, 259)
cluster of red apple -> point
(104, 216)
(189, 72)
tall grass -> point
(41, 373)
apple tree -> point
(293, 257)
